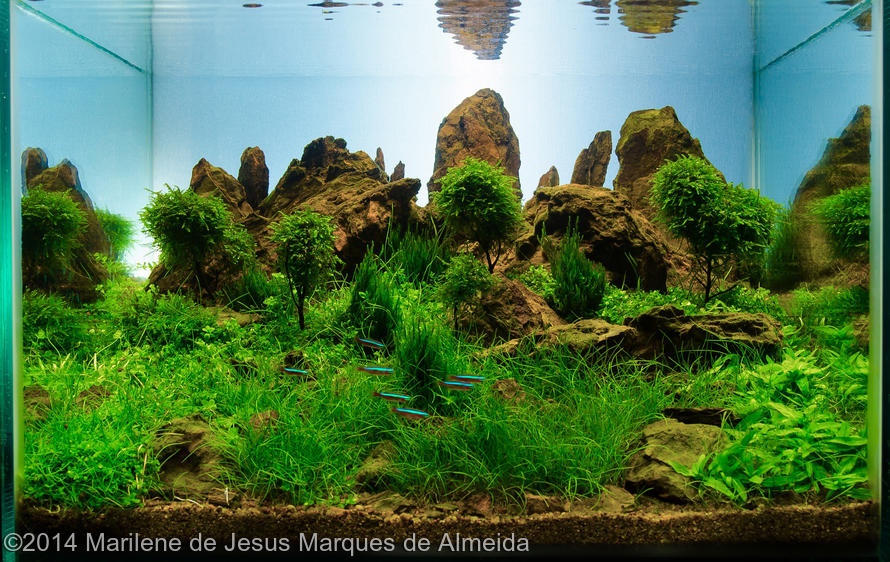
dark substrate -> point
(845, 531)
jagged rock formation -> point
(398, 172)
(480, 26)
(347, 186)
(666, 332)
(550, 178)
(592, 163)
(845, 163)
(78, 281)
(648, 138)
(651, 17)
(661, 333)
(34, 161)
(254, 175)
(379, 160)
(478, 127)
(613, 234)
(207, 179)
(587, 338)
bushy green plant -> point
(845, 216)
(829, 306)
(305, 254)
(119, 231)
(723, 223)
(422, 358)
(790, 436)
(52, 226)
(619, 304)
(373, 302)
(188, 228)
(463, 282)
(48, 323)
(745, 299)
(422, 258)
(541, 281)
(477, 201)
(781, 263)
(579, 283)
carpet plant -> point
(571, 431)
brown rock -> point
(615, 500)
(79, 281)
(372, 475)
(478, 127)
(207, 179)
(262, 422)
(480, 26)
(667, 332)
(550, 178)
(669, 441)
(707, 416)
(612, 233)
(589, 337)
(648, 138)
(378, 159)
(37, 402)
(592, 163)
(254, 175)
(92, 397)
(33, 163)
(508, 390)
(660, 333)
(544, 504)
(845, 163)
(399, 172)
(188, 463)
(349, 187)
(511, 310)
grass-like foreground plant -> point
(570, 432)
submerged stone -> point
(479, 127)
(593, 162)
(188, 462)
(668, 441)
(612, 233)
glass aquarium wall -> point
(83, 94)
(457, 262)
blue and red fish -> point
(377, 370)
(370, 344)
(453, 385)
(294, 371)
(466, 378)
(411, 414)
(392, 397)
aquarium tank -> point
(441, 278)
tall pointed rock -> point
(478, 127)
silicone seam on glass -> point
(56, 23)
(8, 319)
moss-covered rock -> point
(79, 280)
(669, 441)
